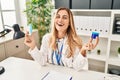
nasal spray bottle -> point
(30, 29)
(95, 37)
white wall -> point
(23, 17)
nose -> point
(60, 19)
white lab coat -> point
(43, 55)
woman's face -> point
(62, 21)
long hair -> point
(73, 40)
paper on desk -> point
(53, 75)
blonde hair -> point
(73, 40)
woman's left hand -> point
(89, 46)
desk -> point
(23, 69)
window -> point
(7, 13)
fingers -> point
(90, 40)
(26, 34)
(29, 40)
(96, 42)
(27, 37)
(89, 46)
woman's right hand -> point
(29, 40)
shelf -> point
(96, 65)
(115, 37)
(88, 21)
(114, 60)
(89, 34)
(7, 37)
(95, 56)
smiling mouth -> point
(60, 24)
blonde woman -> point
(62, 46)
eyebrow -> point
(63, 15)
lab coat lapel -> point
(65, 47)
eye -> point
(57, 16)
(65, 17)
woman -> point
(62, 46)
